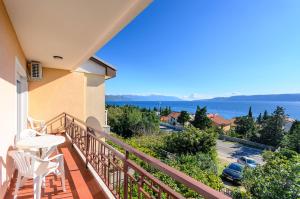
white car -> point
(247, 161)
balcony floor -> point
(80, 183)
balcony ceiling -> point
(73, 29)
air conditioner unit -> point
(36, 72)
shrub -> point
(191, 141)
(128, 121)
(278, 178)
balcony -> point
(95, 169)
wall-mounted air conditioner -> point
(35, 71)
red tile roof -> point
(219, 121)
(174, 115)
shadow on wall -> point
(95, 81)
(4, 180)
(49, 75)
(94, 123)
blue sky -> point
(206, 48)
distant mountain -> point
(275, 97)
(141, 98)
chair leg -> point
(37, 187)
(44, 182)
(23, 181)
(17, 186)
(62, 171)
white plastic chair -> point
(30, 166)
(38, 125)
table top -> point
(45, 141)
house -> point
(221, 122)
(171, 118)
(48, 71)
(288, 122)
(164, 119)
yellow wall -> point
(79, 94)
(59, 91)
(10, 50)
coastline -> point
(227, 109)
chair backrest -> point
(26, 133)
(23, 162)
(30, 121)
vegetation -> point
(278, 178)
(166, 111)
(193, 152)
(199, 164)
(128, 121)
(201, 120)
(292, 139)
(267, 129)
(191, 141)
(183, 117)
(272, 130)
(245, 127)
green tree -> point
(201, 120)
(278, 178)
(292, 139)
(265, 116)
(250, 115)
(191, 141)
(272, 130)
(183, 117)
(128, 121)
(166, 111)
(245, 127)
(259, 119)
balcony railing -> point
(122, 176)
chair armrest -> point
(36, 158)
(58, 156)
(42, 131)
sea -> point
(227, 109)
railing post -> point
(126, 175)
(65, 121)
(87, 147)
(73, 129)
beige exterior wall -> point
(59, 91)
(79, 94)
(10, 51)
(95, 101)
(226, 128)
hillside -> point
(141, 98)
(277, 97)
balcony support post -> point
(126, 175)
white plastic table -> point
(41, 142)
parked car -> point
(233, 172)
(247, 161)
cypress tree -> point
(265, 117)
(259, 119)
(250, 115)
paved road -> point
(230, 151)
